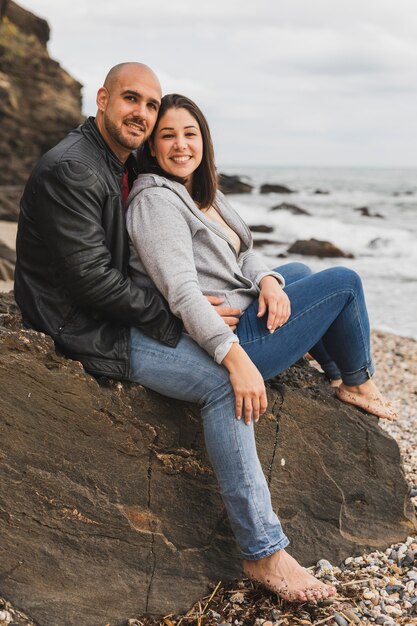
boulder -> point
(264, 241)
(321, 192)
(39, 101)
(315, 247)
(292, 208)
(233, 184)
(109, 507)
(273, 188)
(9, 202)
(364, 210)
(261, 228)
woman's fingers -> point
(278, 313)
(239, 405)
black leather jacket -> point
(71, 279)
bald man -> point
(72, 283)
(71, 277)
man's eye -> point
(130, 98)
(153, 106)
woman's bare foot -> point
(368, 398)
(335, 382)
(283, 575)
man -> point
(72, 283)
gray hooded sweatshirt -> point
(187, 257)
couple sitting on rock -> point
(138, 267)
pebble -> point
(351, 616)
(393, 610)
(5, 617)
(324, 567)
(340, 620)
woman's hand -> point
(247, 384)
(274, 299)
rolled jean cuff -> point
(280, 545)
(352, 379)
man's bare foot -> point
(368, 398)
(283, 575)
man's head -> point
(127, 107)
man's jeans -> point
(327, 306)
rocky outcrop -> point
(315, 247)
(39, 101)
(233, 184)
(321, 192)
(269, 188)
(292, 208)
(9, 202)
(7, 262)
(109, 507)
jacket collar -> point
(91, 131)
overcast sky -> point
(282, 82)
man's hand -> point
(273, 299)
(229, 316)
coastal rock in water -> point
(315, 247)
(364, 210)
(292, 208)
(7, 262)
(233, 184)
(109, 506)
(258, 243)
(261, 228)
(321, 192)
(39, 101)
(9, 202)
(269, 188)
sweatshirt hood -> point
(150, 181)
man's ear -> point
(102, 98)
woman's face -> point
(178, 144)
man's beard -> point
(126, 141)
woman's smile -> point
(178, 144)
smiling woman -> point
(178, 145)
(187, 241)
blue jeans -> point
(328, 319)
(326, 305)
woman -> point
(189, 242)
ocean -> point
(384, 248)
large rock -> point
(316, 247)
(39, 101)
(292, 208)
(274, 188)
(109, 508)
(233, 184)
(9, 202)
